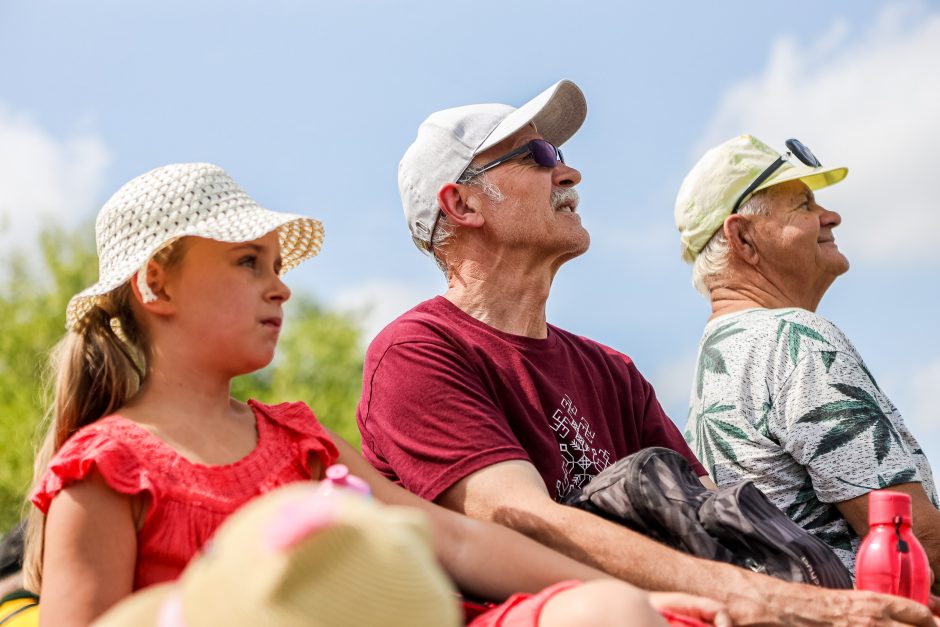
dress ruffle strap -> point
(90, 448)
(309, 434)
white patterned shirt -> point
(782, 398)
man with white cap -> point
(780, 395)
(474, 401)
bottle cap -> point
(884, 505)
(338, 475)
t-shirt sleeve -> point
(658, 429)
(427, 420)
(833, 419)
(85, 451)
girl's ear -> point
(739, 232)
(460, 204)
(150, 289)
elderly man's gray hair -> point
(712, 262)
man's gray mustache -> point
(564, 196)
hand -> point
(805, 605)
(705, 610)
(934, 605)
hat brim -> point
(300, 238)
(815, 178)
(558, 113)
(141, 609)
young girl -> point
(147, 453)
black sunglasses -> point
(543, 153)
(796, 148)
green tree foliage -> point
(318, 361)
(319, 356)
(32, 308)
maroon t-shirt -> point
(445, 395)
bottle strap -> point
(902, 545)
(904, 582)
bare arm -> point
(513, 494)
(484, 559)
(89, 553)
(926, 519)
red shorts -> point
(521, 610)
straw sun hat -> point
(180, 200)
(300, 557)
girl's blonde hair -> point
(95, 370)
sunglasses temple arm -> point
(760, 179)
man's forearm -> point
(629, 555)
(751, 597)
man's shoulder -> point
(587, 345)
(777, 324)
(806, 324)
(426, 321)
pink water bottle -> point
(891, 560)
(338, 476)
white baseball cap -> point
(449, 140)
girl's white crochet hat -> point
(180, 200)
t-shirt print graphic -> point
(580, 460)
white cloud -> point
(44, 178)
(870, 102)
(380, 302)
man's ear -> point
(158, 301)
(739, 232)
(460, 205)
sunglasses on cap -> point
(796, 148)
(543, 153)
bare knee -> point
(605, 603)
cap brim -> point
(558, 113)
(815, 178)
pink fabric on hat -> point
(171, 612)
(296, 521)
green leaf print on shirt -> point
(710, 358)
(809, 512)
(855, 417)
(796, 333)
(905, 476)
(837, 539)
(828, 357)
(710, 435)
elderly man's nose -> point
(830, 218)
(565, 176)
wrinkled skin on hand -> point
(816, 607)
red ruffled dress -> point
(187, 501)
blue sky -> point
(310, 105)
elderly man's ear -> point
(739, 232)
(461, 205)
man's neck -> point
(512, 302)
(748, 289)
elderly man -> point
(474, 401)
(780, 396)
